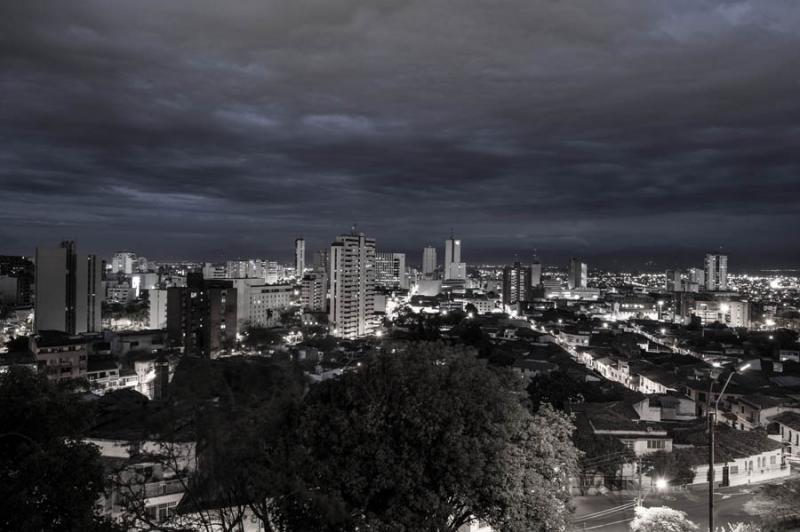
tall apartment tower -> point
(578, 276)
(124, 262)
(390, 270)
(428, 260)
(314, 291)
(536, 273)
(201, 317)
(69, 291)
(352, 285)
(716, 272)
(516, 283)
(299, 257)
(453, 267)
(674, 282)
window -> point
(734, 470)
(656, 444)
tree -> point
(49, 479)
(429, 438)
(661, 519)
(675, 467)
(256, 336)
(556, 389)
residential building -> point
(299, 257)
(789, 432)
(314, 291)
(201, 317)
(516, 283)
(266, 301)
(536, 274)
(60, 355)
(352, 285)
(157, 309)
(68, 290)
(716, 272)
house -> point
(620, 420)
(755, 410)
(741, 457)
(529, 368)
(789, 432)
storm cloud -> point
(206, 129)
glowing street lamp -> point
(661, 483)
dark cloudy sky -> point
(210, 129)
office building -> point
(516, 283)
(352, 285)
(716, 272)
(428, 260)
(453, 267)
(314, 291)
(299, 257)
(536, 273)
(578, 276)
(124, 262)
(69, 290)
(390, 270)
(201, 317)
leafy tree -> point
(255, 336)
(429, 438)
(19, 343)
(556, 389)
(674, 467)
(661, 519)
(49, 479)
(470, 308)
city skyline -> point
(575, 130)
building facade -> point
(69, 291)
(352, 286)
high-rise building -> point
(314, 291)
(299, 257)
(201, 317)
(322, 260)
(244, 269)
(18, 275)
(157, 308)
(536, 273)
(453, 267)
(69, 294)
(352, 285)
(516, 283)
(716, 272)
(390, 270)
(124, 262)
(578, 274)
(673, 282)
(266, 302)
(428, 260)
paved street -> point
(613, 513)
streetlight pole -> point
(711, 424)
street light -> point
(711, 426)
(661, 483)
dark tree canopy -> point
(49, 479)
(425, 439)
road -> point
(613, 513)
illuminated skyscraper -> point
(578, 276)
(716, 272)
(428, 260)
(352, 285)
(299, 257)
(453, 267)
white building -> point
(157, 309)
(266, 301)
(124, 262)
(352, 285)
(299, 257)
(428, 260)
(578, 274)
(314, 291)
(390, 270)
